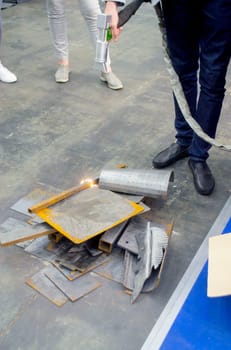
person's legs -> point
(215, 54)
(0, 22)
(215, 51)
(56, 10)
(182, 20)
(90, 9)
(5, 75)
(182, 26)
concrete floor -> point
(56, 134)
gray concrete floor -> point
(56, 134)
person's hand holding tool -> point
(111, 9)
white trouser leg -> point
(90, 10)
(0, 22)
(56, 10)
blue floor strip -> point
(203, 323)
(191, 320)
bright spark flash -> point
(89, 181)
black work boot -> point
(170, 155)
(203, 179)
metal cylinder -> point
(150, 183)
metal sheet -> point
(131, 266)
(89, 213)
(38, 249)
(81, 262)
(37, 195)
(92, 246)
(15, 231)
(41, 283)
(131, 197)
(128, 239)
(25, 244)
(76, 289)
(136, 225)
(11, 224)
(109, 238)
(144, 242)
(72, 275)
(130, 270)
(146, 208)
(113, 269)
(150, 183)
(60, 248)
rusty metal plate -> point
(113, 269)
(37, 195)
(38, 248)
(72, 275)
(13, 231)
(41, 283)
(81, 262)
(76, 289)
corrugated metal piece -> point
(153, 281)
(150, 183)
(131, 267)
(159, 244)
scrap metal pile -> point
(91, 230)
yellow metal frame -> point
(47, 215)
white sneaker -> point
(6, 76)
(62, 74)
(111, 80)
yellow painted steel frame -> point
(47, 215)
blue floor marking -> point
(203, 323)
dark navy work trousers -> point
(199, 42)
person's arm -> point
(111, 8)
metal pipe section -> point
(150, 183)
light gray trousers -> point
(0, 22)
(56, 10)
